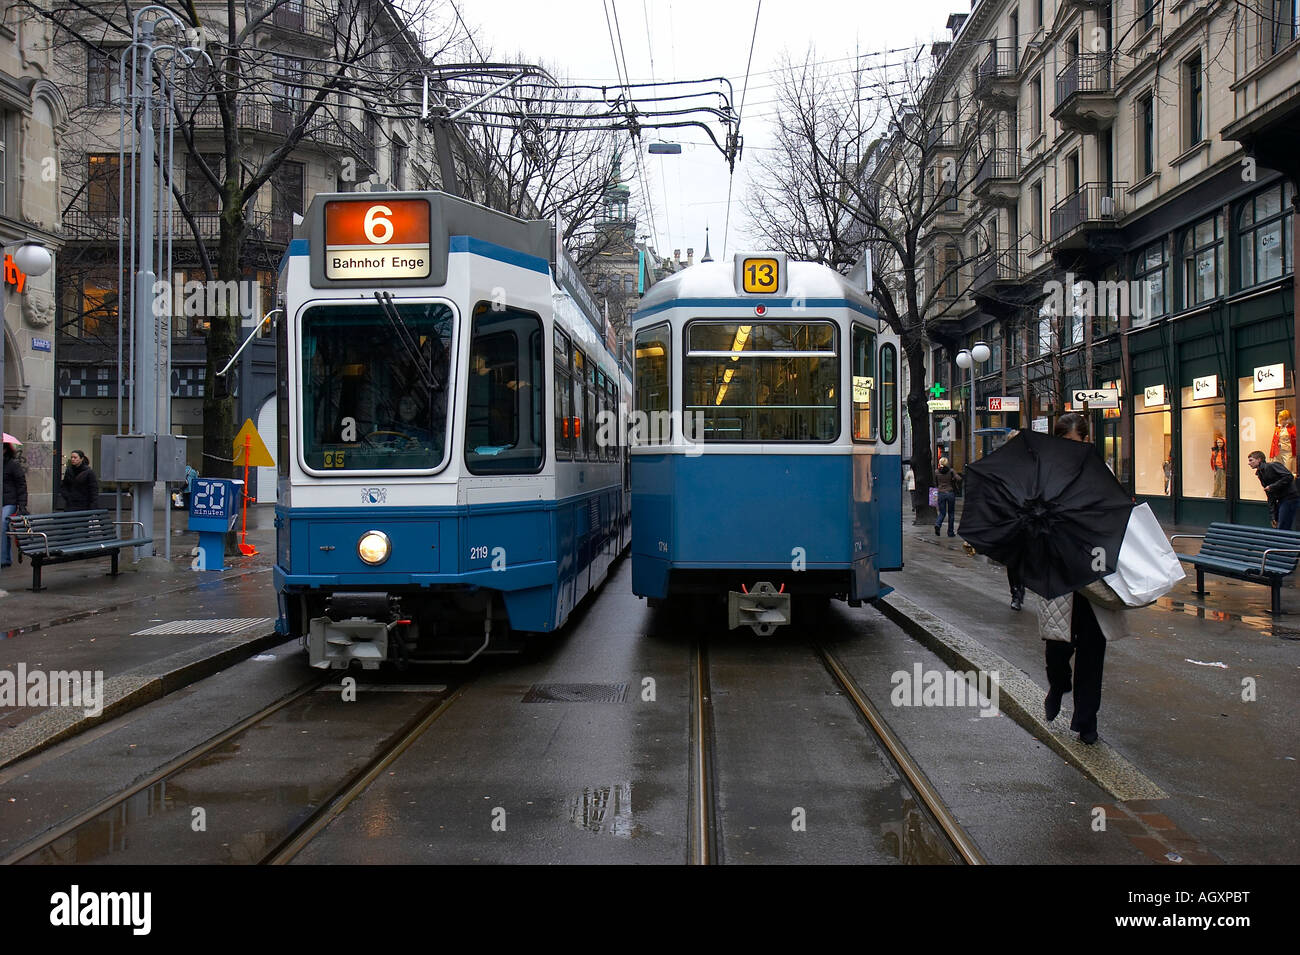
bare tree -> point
(865, 162)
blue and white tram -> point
(441, 486)
(765, 464)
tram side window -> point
(888, 393)
(613, 420)
(599, 420)
(590, 422)
(504, 392)
(863, 384)
(563, 398)
(577, 424)
(652, 422)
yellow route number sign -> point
(761, 275)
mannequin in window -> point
(1284, 445)
(1219, 465)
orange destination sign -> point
(377, 239)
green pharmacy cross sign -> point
(936, 390)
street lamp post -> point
(33, 259)
(978, 353)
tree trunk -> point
(219, 425)
(918, 412)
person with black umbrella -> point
(1049, 508)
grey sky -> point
(699, 38)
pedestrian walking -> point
(14, 497)
(1073, 626)
(947, 481)
(80, 485)
(1280, 487)
(1015, 582)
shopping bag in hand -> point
(1147, 568)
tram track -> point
(50, 846)
(705, 845)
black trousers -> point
(1016, 584)
(1088, 647)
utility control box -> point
(171, 458)
(126, 457)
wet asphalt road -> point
(497, 780)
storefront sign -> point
(1207, 387)
(1153, 396)
(13, 275)
(939, 404)
(1270, 377)
(862, 386)
(1003, 404)
(1096, 398)
(1040, 424)
(40, 344)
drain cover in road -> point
(222, 625)
(576, 693)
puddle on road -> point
(1264, 624)
(913, 838)
(605, 809)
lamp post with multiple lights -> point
(969, 358)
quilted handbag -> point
(1054, 617)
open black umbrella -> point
(1045, 505)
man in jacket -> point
(1279, 484)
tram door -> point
(888, 459)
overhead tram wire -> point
(731, 177)
(640, 167)
(663, 179)
(633, 123)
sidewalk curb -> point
(131, 690)
(1020, 698)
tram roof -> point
(717, 280)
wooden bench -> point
(67, 536)
(1260, 555)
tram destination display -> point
(377, 239)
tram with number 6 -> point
(442, 371)
(766, 468)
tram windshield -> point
(376, 386)
(773, 381)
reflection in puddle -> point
(1263, 623)
(605, 809)
(915, 840)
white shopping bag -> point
(1148, 568)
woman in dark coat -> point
(80, 486)
(15, 499)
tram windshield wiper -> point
(403, 333)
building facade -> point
(1124, 215)
(33, 120)
(353, 143)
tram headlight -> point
(374, 547)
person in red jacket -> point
(1284, 447)
(1219, 465)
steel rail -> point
(359, 782)
(914, 776)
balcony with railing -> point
(278, 119)
(1095, 207)
(995, 80)
(941, 136)
(1085, 94)
(300, 17)
(999, 268)
(82, 225)
(997, 177)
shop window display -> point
(1267, 423)
(1153, 467)
(1205, 450)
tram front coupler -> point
(762, 608)
(355, 628)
